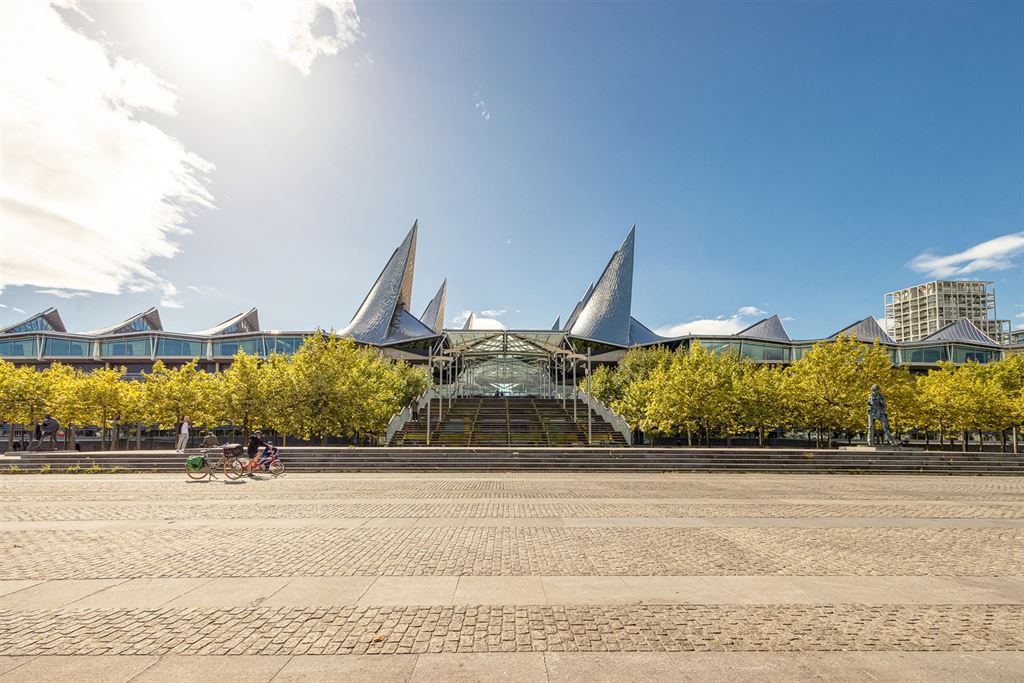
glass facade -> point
(284, 345)
(230, 347)
(18, 348)
(714, 345)
(167, 347)
(34, 325)
(963, 354)
(62, 348)
(139, 346)
(139, 325)
(765, 352)
(925, 354)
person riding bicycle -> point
(255, 441)
(267, 456)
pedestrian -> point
(210, 440)
(48, 430)
(183, 430)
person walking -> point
(183, 434)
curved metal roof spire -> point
(866, 330)
(148, 320)
(962, 330)
(605, 316)
(571, 320)
(243, 322)
(44, 320)
(433, 315)
(384, 317)
(557, 325)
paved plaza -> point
(549, 577)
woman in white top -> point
(183, 435)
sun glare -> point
(215, 33)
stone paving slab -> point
(343, 591)
(53, 595)
(773, 667)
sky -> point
(792, 158)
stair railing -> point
(617, 422)
(399, 421)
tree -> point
(103, 397)
(170, 395)
(242, 392)
(67, 399)
(764, 399)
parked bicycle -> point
(199, 467)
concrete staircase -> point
(518, 422)
(506, 459)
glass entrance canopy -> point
(503, 363)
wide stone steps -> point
(579, 459)
(520, 422)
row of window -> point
(912, 355)
(166, 347)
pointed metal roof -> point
(469, 321)
(866, 330)
(433, 314)
(406, 327)
(769, 328)
(962, 331)
(148, 320)
(640, 334)
(605, 317)
(557, 325)
(579, 305)
(48, 320)
(248, 321)
(378, 315)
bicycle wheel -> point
(276, 468)
(201, 473)
(233, 468)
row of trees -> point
(329, 387)
(703, 394)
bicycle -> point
(198, 467)
(240, 466)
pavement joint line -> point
(83, 597)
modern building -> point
(600, 328)
(916, 312)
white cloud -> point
(485, 321)
(742, 318)
(493, 312)
(62, 293)
(289, 28)
(91, 193)
(995, 254)
(13, 308)
(481, 106)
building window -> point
(925, 354)
(126, 347)
(179, 348)
(964, 354)
(230, 347)
(35, 325)
(283, 345)
(18, 348)
(63, 348)
(765, 352)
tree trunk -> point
(1015, 440)
(966, 434)
(10, 438)
(760, 436)
(927, 436)
(689, 438)
(323, 439)
(830, 438)
(1002, 438)
(138, 436)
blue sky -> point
(794, 158)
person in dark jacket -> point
(255, 441)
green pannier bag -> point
(196, 462)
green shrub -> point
(13, 469)
(45, 469)
(117, 469)
(73, 469)
(94, 469)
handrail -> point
(617, 422)
(399, 420)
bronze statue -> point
(877, 411)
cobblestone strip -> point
(389, 630)
(510, 551)
(249, 510)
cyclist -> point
(255, 441)
(267, 456)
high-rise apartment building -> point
(916, 312)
